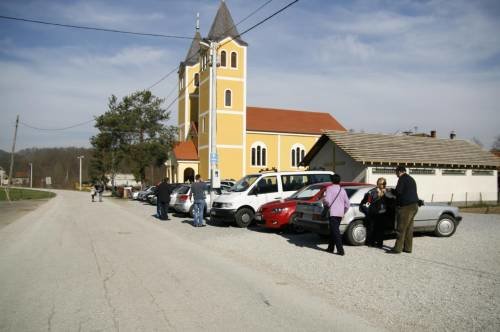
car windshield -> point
(307, 192)
(244, 183)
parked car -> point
(281, 214)
(142, 195)
(184, 204)
(242, 200)
(442, 220)
(152, 198)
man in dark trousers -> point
(163, 198)
(406, 209)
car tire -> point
(446, 226)
(293, 227)
(244, 217)
(191, 214)
(356, 233)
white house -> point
(446, 170)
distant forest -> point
(61, 164)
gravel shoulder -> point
(445, 284)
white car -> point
(184, 204)
(242, 200)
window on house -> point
(223, 59)
(196, 79)
(298, 152)
(227, 98)
(234, 60)
(259, 154)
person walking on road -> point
(406, 209)
(337, 201)
(163, 192)
(99, 188)
(198, 192)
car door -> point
(265, 190)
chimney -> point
(452, 134)
(433, 133)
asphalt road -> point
(73, 265)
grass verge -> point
(22, 194)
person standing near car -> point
(99, 188)
(337, 201)
(406, 209)
(198, 193)
(163, 192)
(376, 205)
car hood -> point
(228, 197)
(281, 203)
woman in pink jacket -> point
(338, 202)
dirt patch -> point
(10, 212)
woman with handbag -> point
(337, 201)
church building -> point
(248, 139)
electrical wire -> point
(56, 129)
(93, 28)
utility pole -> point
(9, 183)
(31, 175)
(213, 123)
(80, 157)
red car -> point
(280, 214)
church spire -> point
(223, 26)
(194, 50)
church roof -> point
(409, 150)
(185, 151)
(223, 26)
(193, 53)
(289, 121)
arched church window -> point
(228, 98)
(223, 59)
(259, 154)
(298, 153)
(234, 60)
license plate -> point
(258, 217)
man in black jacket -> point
(163, 196)
(407, 207)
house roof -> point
(408, 150)
(223, 26)
(185, 151)
(194, 50)
(289, 121)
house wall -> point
(182, 166)
(445, 188)
(331, 158)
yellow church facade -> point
(248, 139)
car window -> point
(317, 178)
(268, 184)
(307, 192)
(351, 191)
(293, 182)
(183, 190)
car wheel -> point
(356, 233)
(293, 227)
(446, 226)
(191, 214)
(244, 217)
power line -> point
(56, 129)
(164, 77)
(93, 28)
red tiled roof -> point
(185, 151)
(289, 121)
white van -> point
(241, 201)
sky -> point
(376, 66)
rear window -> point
(183, 190)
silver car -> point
(442, 220)
(184, 204)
